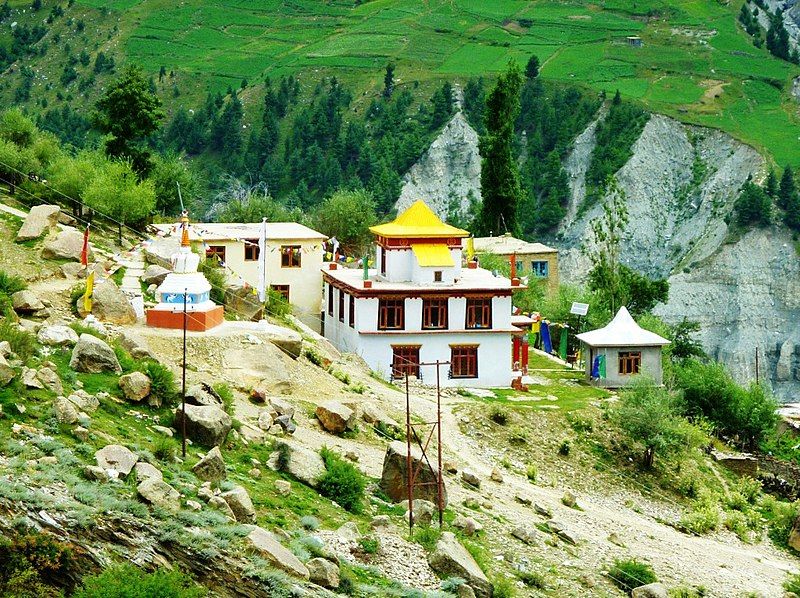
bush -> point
(427, 537)
(792, 584)
(31, 561)
(702, 520)
(369, 544)
(532, 579)
(10, 284)
(313, 356)
(564, 448)
(22, 342)
(503, 588)
(162, 382)
(226, 394)
(499, 415)
(628, 574)
(531, 472)
(277, 305)
(309, 522)
(216, 278)
(127, 581)
(341, 482)
(164, 449)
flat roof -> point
(235, 231)
(471, 279)
(506, 245)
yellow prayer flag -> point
(470, 248)
(87, 296)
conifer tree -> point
(787, 188)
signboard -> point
(579, 309)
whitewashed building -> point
(420, 305)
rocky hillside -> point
(680, 183)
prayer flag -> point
(470, 248)
(87, 295)
(85, 249)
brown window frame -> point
(463, 361)
(251, 250)
(435, 307)
(351, 316)
(341, 305)
(291, 256)
(216, 251)
(630, 362)
(395, 307)
(283, 289)
(408, 362)
(479, 313)
(383, 261)
(437, 276)
(330, 300)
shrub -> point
(162, 382)
(164, 449)
(277, 305)
(564, 448)
(126, 362)
(313, 356)
(341, 482)
(499, 415)
(226, 394)
(792, 584)
(427, 537)
(702, 520)
(22, 342)
(10, 284)
(531, 472)
(216, 278)
(75, 293)
(340, 376)
(532, 579)
(358, 388)
(369, 544)
(81, 328)
(127, 581)
(503, 588)
(628, 574)
(309, 522)
(30, 561)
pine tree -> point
(500, 184)
(532, 68)
(787, 188)
(771, 184)
(388, 81)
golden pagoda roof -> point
(418, 222)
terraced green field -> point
(695, 62)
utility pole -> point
(183, 378)
(756, 365)
(409, 474)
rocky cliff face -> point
(448, 176)
(680, 183)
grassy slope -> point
(692, 50)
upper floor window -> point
(434, 314)
(341, 305)
(330, 300)
(282, 289)
(216, 252)
(479, 312)
(391, 314)
(383, 261)
(352, 313)
(540, 268)
(290, 256)
(251, 250)
(437, 276)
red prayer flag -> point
(85, 250)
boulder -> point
(542, 510)
(394, 476)
(26, 302)
(569, 500)
(84, 401)
(93, 355)
(135, 386)
(154, 274)
(323, 573)
(145, 471)
(464, 591)
(211, 468)
(471, 478)
(525, 534)
(92, 322)
(423, 511)
(264, 420)
(783, 369)
(372, 414)
(268, 547)
(303, 463)
(30, 378)
(496, 476)
(7, 373)
(135, 345)
(116, 458)
(651, 590)
(335, 417)
(794, 534)
(57, 336)
(109, 304)
(742, 464)
(49, 378)
(239, 501)
(40, 220)
(5, 348)
(282, 407)
(158, 493)
(203, 395)
(66, 245)
(286, 423)
(380, 522)
(467, 524)
(451, 559)
(221, 505)
(349, 531)
(283, 487)
(208, 426)
(65, 411)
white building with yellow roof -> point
(420, 305)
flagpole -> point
(262, 265)
(183, 379)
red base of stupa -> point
(198, 321)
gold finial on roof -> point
(185, 227)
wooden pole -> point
(439, 488)
(183, 379)
(409, 475)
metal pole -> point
(409, 480)
(756, 365)
(183, 379)
(439, 442)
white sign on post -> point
(579, 309)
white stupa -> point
(185, 289)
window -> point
(434, 314)
(629, 362)
(405, 360)
(283, 289)
(519, 266)
(383, 261)
(437, 276)
(391, 314)
(330, 300)
(464, 361)
(290, 256)
(251, 250)
(540, 269)
(352, 313)
(216, 252)
(341, 305)
(479, 313)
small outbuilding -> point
(620, 350)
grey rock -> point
(394, 476)
(65, 245)
(451, 559)
(423, 511)
(40, 220)
(569, 500)
(264, 420)
(304, 464)
(323, 573)
(154, 274)
(49, 378)
(268, 547)
(135, 345)
(525, 534)
(109, 304)
(335, 417)
(57, 336)
(523, 500)
(239, 501)
(208, 426)
(203, 395)
(469, 525)
(286, 423)
(380, 522)
(651, 590)
(7, 372)
(5, 348)
(464, 591)
(372, 414)
(349, 531)
(496, 476)
(93, 355)
(283, 488)
(542, 510)
(135, 386)
(222, 505)
(95, 473)
(145, 471)
(84, 401)
(783, 369)
(164, 431)
(117, 458)
(65, 411)
(30, 378)
(158, 493)
(26, 302)
(471, 478)
(282, 407)
(211, 467)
